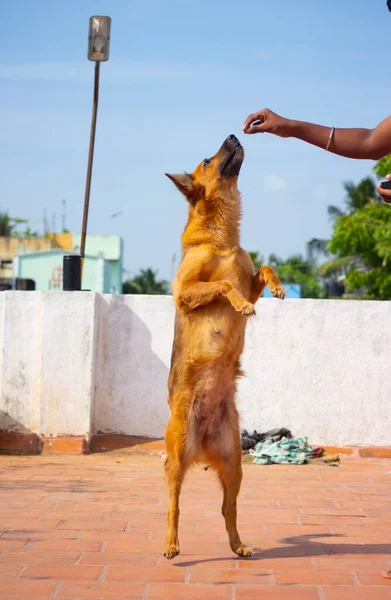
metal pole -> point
(64, 202)
(89, 165)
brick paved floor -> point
(93, 527)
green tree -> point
(257, 259)
(361, 243)
(9, 224)
(295, 269)
(356, 197)
(383, 167)
(146, 282)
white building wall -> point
(76, 363)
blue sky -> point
(182, 75)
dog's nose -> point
(232, 141)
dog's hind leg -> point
(175, 467)
(230, 475)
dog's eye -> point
(207, 162)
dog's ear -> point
(183, 182)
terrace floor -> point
(76, 527)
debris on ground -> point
(249, 441)
(279, 446)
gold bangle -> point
(330, 138)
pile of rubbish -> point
(280, 447)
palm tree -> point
(357, 196)
(146, 283)
(316, 248)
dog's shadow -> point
(303, 546)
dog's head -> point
(214, 177)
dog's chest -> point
(234, 265)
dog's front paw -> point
(246, 308)
(278, 292)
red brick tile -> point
(195, 546)
(78, 515)
(195, 560)
(304, 503)
(378, 452)
(18, 587)
(6, 545)
(278, 593)
(40, 535)
(28, 597)
(285, 531)
(284, 516)
(177, 591)
(352, 561)
(283, 555)
(40, 558)
(373, 577)
(116, 536)
(94, 525)
(332, 520)
(312, 577)
(75, 573)
(119, 559)
(64, 445)
(28, 524)
(357, 593)
(146, 574)
(7, 571)
(99, 497)
(333, 512)
(65, 546)
(29, 443)
(103, 591)
(229, 576)
(11, 513)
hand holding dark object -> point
(384, 189)
(266, 121)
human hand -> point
(266, 121)
(385, 194)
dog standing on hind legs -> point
(215, 289)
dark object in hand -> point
(385, 185)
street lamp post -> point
(98, 51)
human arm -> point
(352, 143)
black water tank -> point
(18, 283)
(71, 277)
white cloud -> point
(274, 183)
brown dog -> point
(214, 290)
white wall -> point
(76, 363)
(133, 356)
(46, 365)
(321, 368)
